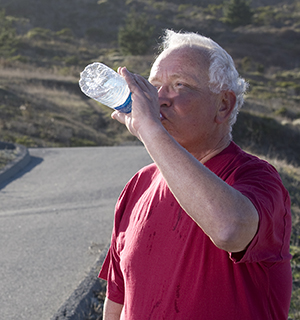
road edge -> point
(20, 162)
(78, 305)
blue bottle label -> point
(126, 106)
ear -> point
(227, 103)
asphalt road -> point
(56, 216)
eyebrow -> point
(174, 76)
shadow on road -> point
(34, 161)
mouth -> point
(162, 117)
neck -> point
(211, 152)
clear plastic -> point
(103, 84)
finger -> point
(119, 70)
(119, 116)
(144, 84)
(136, 81)
(130, 78)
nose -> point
(164, 97)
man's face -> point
(187, 105)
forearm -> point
(112, 310)
(224, 214)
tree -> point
(8, 39)
(238, 13)
(137, 34)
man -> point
(203, 232)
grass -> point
(295, 302)
(46, 109)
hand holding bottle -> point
(145, 115)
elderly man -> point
(203, 232)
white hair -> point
(222, 72)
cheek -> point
(200, 119)
(186, 105)
(195, 110)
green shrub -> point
(285, 84)
(78, 142)
(237, 13)
(25, 141)
(260, 68)
(20, 58)
(215, 10)
(135, 37)
(281, 112)
(297, 89)
(183, 7)
(39, 34)
(71, 60)
(264, 16)
(65, 33)
(246, 63)
(295, 301)
(8, 38)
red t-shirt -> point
(161, 265)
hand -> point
(145, 105)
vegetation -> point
(44, 45)
(8, 39)
(6, 156)
(136, 35)
(238, 13)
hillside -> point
(45, 44)
(55, 39)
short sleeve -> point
(111, 272)
(262, 185)
(111, 269)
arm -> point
(223, 213)
(112, 310)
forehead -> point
(183, 62)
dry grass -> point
(45, 109)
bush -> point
(65, 33)
(216, 10)
(78, 142)
(19, 58)
(39, 34)
(264, 16)
(26, 141)
(246, 63)
(238, 13)
(281, 111)
(71, 60)
(135, 37)
(8, 38)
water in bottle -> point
(103, 84)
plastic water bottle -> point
(103, 84)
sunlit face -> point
(187, 106)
